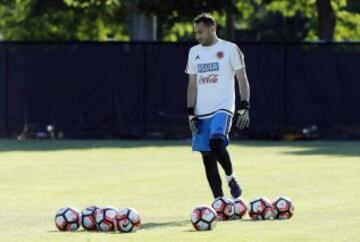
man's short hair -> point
(205, 18)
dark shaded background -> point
(138, 90)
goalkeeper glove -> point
(192, 121)
(243, 119)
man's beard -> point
(208, 42)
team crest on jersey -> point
(197, 57)
(220, 54)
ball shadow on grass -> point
(153, 225)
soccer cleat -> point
(235, 189)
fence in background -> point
(138, 90)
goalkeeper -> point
(211, 66)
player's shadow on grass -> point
(153, 225)
(304, 148)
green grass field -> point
(164, 181)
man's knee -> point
(209, 159)
(206, 155)
(217, 144)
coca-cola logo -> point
(212, 78)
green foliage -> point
(100, 20)
(89, 3)
(348, 26)
(60, 20)
(291, 7)
(263, 22)
(293, 20)
(347, 14)
(175, 15)
(183, 31)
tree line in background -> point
(240, 20)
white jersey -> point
(215, 68)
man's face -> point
(204, 33)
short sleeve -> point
(190, 67)
(237, 58)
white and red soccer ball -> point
(68, 219)
(260, 209)
(88, 218)
(283, 208)
(240, 208)
(105, 219)
(204, 218)
(128, 220)
(224, 207)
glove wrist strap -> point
(245, 105)
(190, 111)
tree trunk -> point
(326, 20)
(230, 19)
(143, 27)
(230, 29)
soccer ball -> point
(260, 209)
(128, 220)
(224, 207)
(240, 208)
(283, 208)
(67, 219)
(88, 218)
(105, 219)
(203, 218)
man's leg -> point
(217, 145)
(220, 128)
(212, 173)
(201, 144)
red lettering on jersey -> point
(212, 78)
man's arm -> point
(191, 91)
(191, 101)
(243, 118)
(244, 87)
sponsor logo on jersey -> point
(208, 79)
(207, 67)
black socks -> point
(212, 173)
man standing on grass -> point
(211, 66)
